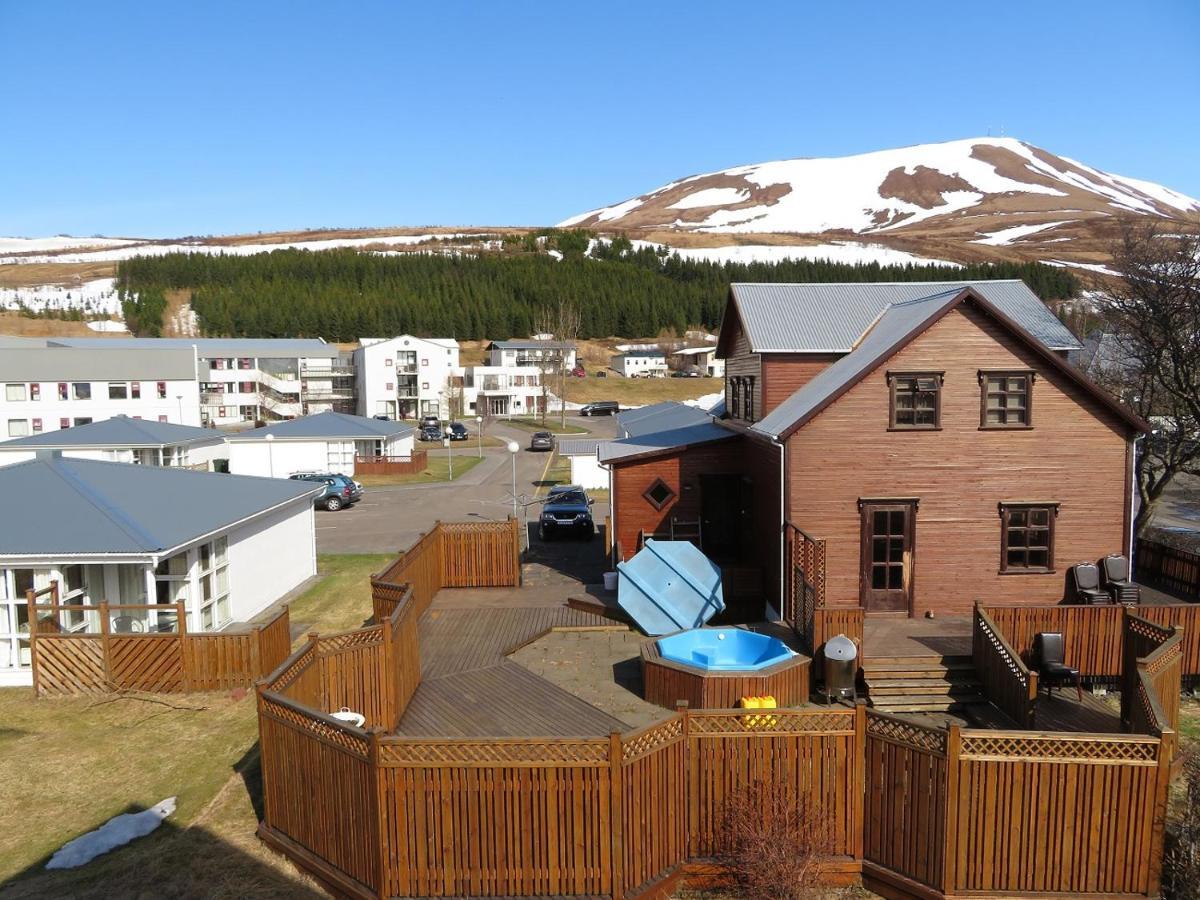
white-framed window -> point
(214, 584)
(118, 390)
(37, 426)
(81, 390)
(14, 393)
(18, 427)
(339, 455)
(172, 584)
(14, 614)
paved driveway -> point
(389, 519)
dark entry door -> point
(724, 515)
(888, 555)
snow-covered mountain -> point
(893, 191)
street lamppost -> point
(513, 449)
(449, 451)
(270, 439)
(479, 432)
(179, 400)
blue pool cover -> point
(669, 586)
(724, 649)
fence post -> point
(105, 629)
(859, 775)
(185, 661)
(1158, 825)
(681, 709)
(256, 634)
(616, 815)
(31, 614)
(380, 813)
(319, 662)
(950, 844)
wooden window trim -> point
(649, 499)
(939, 377)
(984, 375)
(1003, 507)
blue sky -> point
(169, 118)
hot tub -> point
(713, 668)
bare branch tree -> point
(1154, 316)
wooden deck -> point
(470, 689)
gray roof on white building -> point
(326, 426)
(119, 431)
(663, 441)
(641, 353)
(85, 507)
(262, 348)
(659, 417)
(107, 363)
(813, 318)
(579, 446)
(531, 345)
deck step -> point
(927, 706)
(923, 688)
(917, 664)
(922, 684)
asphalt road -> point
(389, 519)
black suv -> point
(458, 431)
(600, 408)
(429, 433)
(567, 509)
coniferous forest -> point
(470, 294)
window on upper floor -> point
(35, 391)
(62, 390)
(735, 398)
(135, 390)
(14, 393)
(118, 390)
(161, 389)
(81, 390)
(1027, 537)
(916, 401)
(37, 426)
(18, 427)
(748, 398)
(1006, 399)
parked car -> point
(430, 433)
(541, 440)
(600, 408)
(340, 490)
(430, 422)
(568, 509)
(600, 373)
(458, 431)
(579, 372)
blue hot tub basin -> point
(724, 649)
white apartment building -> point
(247, 379)
(48, 388)
(640, 364)
(701, 358)
(405, 377)
(502, 390)
(532, 353)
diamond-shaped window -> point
(659, 494)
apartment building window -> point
(214, 584)
(916, 400)
(64, 423)
(37, 426)
(1027, 537)
(81, 390)
(135, 390)
(247, 412)
(162, 390)
(62, 390)
(35, 391)
(18, 427)
(246, 387)
(391, 386)
(1006, 399)
(424, 385)
(161, 418)
(388, 362)
(245, 363)
(424, 362)
(14, 393)
(83, 420)
(118, 390)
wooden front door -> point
(887, 555)
(724, 515)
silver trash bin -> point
(841, 668)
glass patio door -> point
(888, 555)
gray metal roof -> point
(663, 441)
(812, 318)
(577, 446)
(641, 353)
(80, 506)
(12, 340)
(659, 417)
(531, 345)
(327, 426)
(119, 431)
(263, 348)
(55, 363)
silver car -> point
(541, 440)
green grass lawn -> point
(73, 763)
(465, 459)
(553, 425)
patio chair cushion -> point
(1058, 670)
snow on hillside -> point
(1008, 235)
(97, 297)
(883, 190)
(838, 252)
(60, 242)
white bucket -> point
(610, 581)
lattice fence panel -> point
(1045, 748)
(145, 663)
(69, 665)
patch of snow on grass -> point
(61, 242)
(837, 252)
(107, 326)
(97, 297)
(711, 197)
(116, 832)
(1090, 267)
(1007, 235)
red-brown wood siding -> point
(1074, 454)
(785, 373)
(762, 463)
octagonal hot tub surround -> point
(713, 668)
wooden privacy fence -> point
(1169, 568)
(1006, 680)
(1093, 635)
(391, 465)
(451, 554)
(75, 649)
(1150, 684)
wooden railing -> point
(75, 649)
(1093, 635)
(418, 461)
(1006, 680)
(803, 584)
(1151, 680)
(1169, 568)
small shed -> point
(325, 442)
(586, 470)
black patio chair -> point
(1116, 580)
(1086, 579)
(127, 625)
(1048, 655)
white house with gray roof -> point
(226, 547)
(325, 442)
(127, 440)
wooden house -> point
(933, 439)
